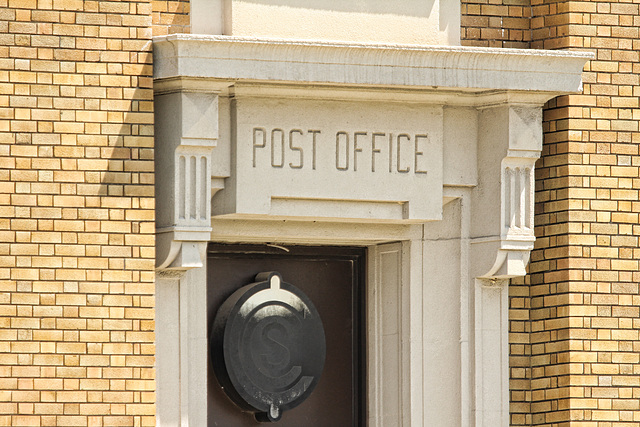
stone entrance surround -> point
(423, 154)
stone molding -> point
(471, 69)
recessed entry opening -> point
(333, 279)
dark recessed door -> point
(333, 279)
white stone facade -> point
(425, 155)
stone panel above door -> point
(313, 158)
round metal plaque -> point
(268, 347)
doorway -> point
(333, 278)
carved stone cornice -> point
(473, 69)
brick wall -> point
(585, 352)
(496, 23)
(76, 213)
(170, 17)
(550, 324)
(584, 365)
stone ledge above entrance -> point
(273, 60)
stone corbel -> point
(186, 136)
(516, 216)
(513, 240)
(182, 245)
